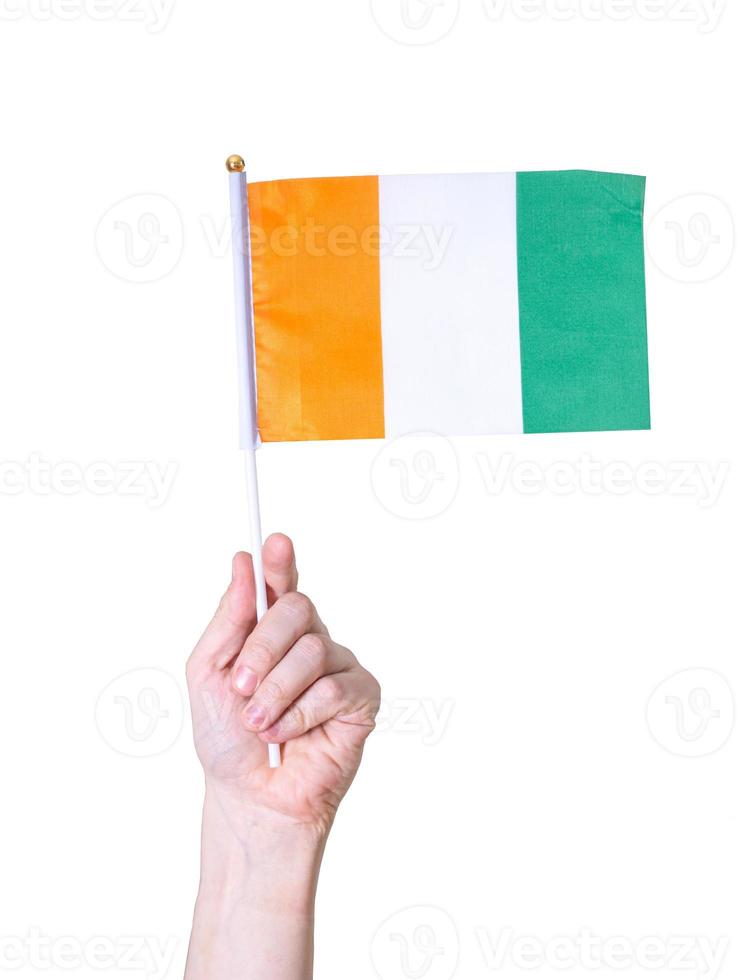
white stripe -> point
(449, 304)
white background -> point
(555, 795)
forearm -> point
(254, 916)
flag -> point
(459, 304)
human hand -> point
(284, 680)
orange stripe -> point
(315, 257)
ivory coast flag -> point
(462, 304)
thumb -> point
(234, 619)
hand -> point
(284, 680)
(263, 830)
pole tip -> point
(235, 164)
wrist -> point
(258, 859)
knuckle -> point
(374, 690)
(371, 696)
(314, 649)
(373, 708)
(299, 606)
(257, 655)
(270, 692)
(369, 724)
(293, 720)
(331, 689)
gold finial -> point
(235, 164)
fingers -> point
(351, 697)
(289, 618)
(280, 566)
(234, 618)
(294, 674)
(236, 615)
(313, 656)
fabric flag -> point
(462, 304)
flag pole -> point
(249, 439)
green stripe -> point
(583, 327)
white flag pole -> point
(249, 438)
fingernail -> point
(245, 680)
(254, 715)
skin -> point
(264, 830)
